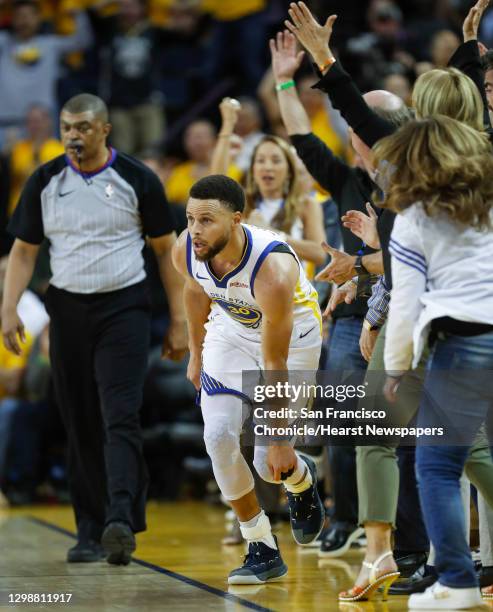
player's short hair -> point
(222, 188)
(85, 102)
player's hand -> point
(471, 23)
(363, 226)
(281, 460)
(285, 59)
(345, 293)
(13, 332)
(340, 268)
(175, 343)
(367, 342)
(193, 370)
(313, 36)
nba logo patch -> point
(109, 191)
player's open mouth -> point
(198, 245)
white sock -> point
(258, 529)
(300, 480)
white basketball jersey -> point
(233, 295)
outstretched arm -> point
(197, 305)
(467, 57)
(327, 169)
(336, 82)
(285, 62)
(221, 156)
(274, 288)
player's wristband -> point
(286, 85)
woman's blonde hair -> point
(442, 163)
(284, 219)
(449, 92)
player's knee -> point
(261, 466)
(223, 446)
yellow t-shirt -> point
(229, 11)
(23, 163)
(182, 178)
(9, 361)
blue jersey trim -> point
(189, 255)
(108, 163)
(213, 387)
(262, 256)
(223, 282)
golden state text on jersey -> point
(233, 295)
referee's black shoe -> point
(118, 541)
(87, 551)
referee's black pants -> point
(99, 346)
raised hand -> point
(314, 37)
(285, 58)
(363, 226)
(471, 23)
(229, 108)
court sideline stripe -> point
(156, 568)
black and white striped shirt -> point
(95, 222)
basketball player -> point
(249, 306)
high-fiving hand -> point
(363, 226)
(340, 268)
(285, 57)
(314, 37)
(471, 23)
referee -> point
(95, 206)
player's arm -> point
(197, 308)
(20, 267)
(274, 288)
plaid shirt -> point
(378, 304)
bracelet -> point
(286, 85)
(328, 62)
(227, 135)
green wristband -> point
(286, 85)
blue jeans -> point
(458, 391)
(344, 355)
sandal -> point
(487, 592)
(366, 593)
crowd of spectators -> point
(163, 66)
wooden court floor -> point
(179, 564)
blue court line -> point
(156, 568)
